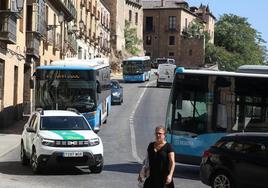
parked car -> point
(117, 92)
(237, 160)
(165, 74)
(61, 137)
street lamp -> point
(61, 18)
(81, 25)
(20, 5)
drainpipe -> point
(162, 3)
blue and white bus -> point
(80, 84)
(204, 105)
(136, 69)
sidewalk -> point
(10, 137)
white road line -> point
(131, 126)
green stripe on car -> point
(69, 135)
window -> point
(2, 68)
(190, 52)
(186, 24)
(171, 54)
(171, 40)
(171, 22)
(148, 54)
(149, 24)
(148, 40)
(129, 15)
(136, 18)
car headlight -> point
(94, 141)
(47, 142)
(116, 94)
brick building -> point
(165, 32)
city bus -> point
(83, 85)
(137, 69)
(163, 60)
(204, 105)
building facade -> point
(39, 32)
(165, 31)
(12, 60)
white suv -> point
(64, 137)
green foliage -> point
(196, 28)
(236, 43)
(131, 39)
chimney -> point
(162, 3)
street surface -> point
(129, 129)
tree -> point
(236, 43)
(131, 39)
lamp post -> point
(60, 20)
(20, 5)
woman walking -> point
(161, 162)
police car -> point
(61, 137)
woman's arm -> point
(171, 157)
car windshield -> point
(64, 123)
(115, 85)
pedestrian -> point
(161, 159)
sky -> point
(254, 11)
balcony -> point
(8, 27)
(38, 23)
(94, 11)
(32, 44)
(89, 7)
(67, 7)
(50, 37)
(172, 29)
(57, 42)
(72, 44)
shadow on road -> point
(181, 171)
(187, 172)
(154, 87)
(15, 168)
(132, 167)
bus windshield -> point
(133, 67)
(63, 89)
(191, 112)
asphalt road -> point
(125, 136)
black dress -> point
(159, 167)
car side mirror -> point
(30, 130)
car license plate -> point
(73, 154)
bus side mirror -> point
(31, 84)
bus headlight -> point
(94, 141)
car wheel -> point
(222, 180)
(23, 158)
(96, 169)
(34, 163)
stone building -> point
(165, 31)
(121, 11)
